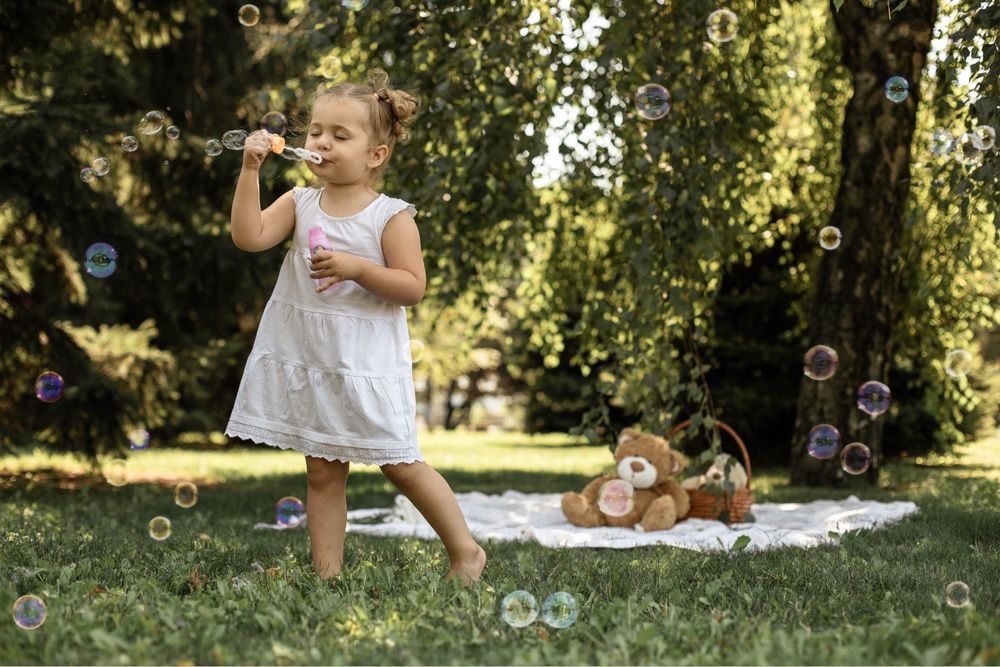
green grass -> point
(115, 596)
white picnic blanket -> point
(516, 516)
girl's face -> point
(338, 131)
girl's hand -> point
(256, 148)
(336, 266)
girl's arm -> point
(252, 229)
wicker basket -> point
(707, 505)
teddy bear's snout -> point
(637, 466)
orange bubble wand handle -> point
(277, 143)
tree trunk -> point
(857, 291)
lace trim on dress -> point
(322, 450)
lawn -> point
(115, 596)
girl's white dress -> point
(330, 373)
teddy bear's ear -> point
(626, 435)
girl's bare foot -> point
(470, 568)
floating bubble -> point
(100, 260)
(942, 142)
(116, 472)
(354, 5)
(416, 350)
(829, 238)
(248, 15)
(100, 165)
(129, 143)
(330, 67)
(186, 495)
(213, 147)
(151, 123)
(874, 398)
(519, 609)
(274, 122)
(820, 362)
(29, 612)
(957, 594)
(958, 363)
(138, 439)
(234, 140)
(652, 101)
(173, 133)
(969, 150)
(897, 88)
(378, 78)
(616, 497)
(722, 25)
(855, 458)
(289, 511)
(49, 387)
(987, 137)
(87, 174)
(257, 567)
(159, 528)
(823, 442)
(559, 610)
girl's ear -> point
(378, 156)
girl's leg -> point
(326, 513)
(430, 493)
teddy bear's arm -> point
(590, 491)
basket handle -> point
(725, 427)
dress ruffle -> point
(323, 450)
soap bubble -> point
(958, 363)
(151, 123)
(987, 136)
(416, 350)
(116, 472)
(820, 362)
(829, 238)
(874, 398)
(823, 442)
(100, 165)
(970, 149)
(129, 143)
(186, 495)
(957, 594)
(616, 497)
(173, 133)
(289, 511)
(722, 25)
(138, 439)
(257, 567)
(519, 609)
(942, 142)
(855, 458)
(897, 88)
(378, 78)
(234, 139)
(354, 5)
(330, 67)
(100, 260)
(87, 174)
(159, 528)
(275, 123)
(652, 101)
(559, 610)
(49, 387)
(248, 15)
(29, 612)
(213, 147)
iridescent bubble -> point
(159, 528)
(274, 122)
(186, 495)
(957, 594)
(234, 139)
(969, 150)
(354, 5)
(87, 174)
(248, 15)
(416, 350)
(213, 147)
(874, 398)
(173, 133)
(820, 362)
(559, 610)
(616, 497)
(100, 260)
(829, 238)
(116, 472)
(942, 142)
(49, 387)
(987, 137)
(722, 25)
(330, 67)
(138, 439)
(519, 609)
(129, 143)
(823, 442)
(29, 612)
(151, 123)
(378, 78)
(100, 165)
(856, 458)
(958, 363)
(652, 101)
(897, 88)
(289, 511)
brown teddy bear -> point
(646, 462)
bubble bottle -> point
(318, 241)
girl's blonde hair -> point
(390, 111)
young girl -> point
(330, 373)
